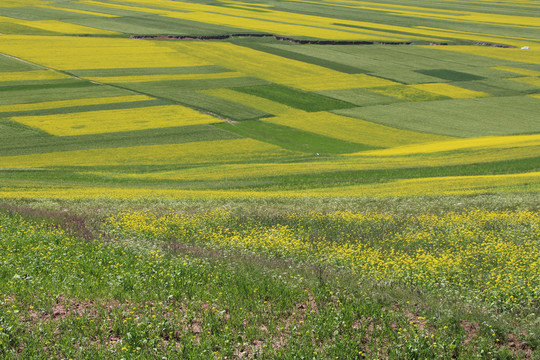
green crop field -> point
(222, 179)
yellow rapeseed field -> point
(452, 185)
(69, 53)
(187, 153)
(105, 121)
(478, 143)
(58, 26)
(350, 129)
(32, 75)
(344, 163)
(336, 82)
(455, 92)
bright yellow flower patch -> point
(455, 92)
(69, 53)
(105, 121)
(58, 26)
(187, 153)
(337, 82)
(32, 75)
(351, 129)
(487, 142)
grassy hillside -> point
(289, 285)
(221, 179)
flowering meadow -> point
(216, 285)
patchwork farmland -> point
(361, 160)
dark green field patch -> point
(360, 97)
(24, 95)
(86, 108)
(18, 139)
(66, 84)
(489, 116)
(295, 98)
(29, 84)
(292, 139)
(498, 87)
(9, 64)
(208, 69)
(450, 75)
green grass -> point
(360, 97)
(65, 84)
(502, 87)
(295, 98)
(460, 117)
(8, 64)
(23, 95)
(450, 75)
(10, 28)
(292, 139)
